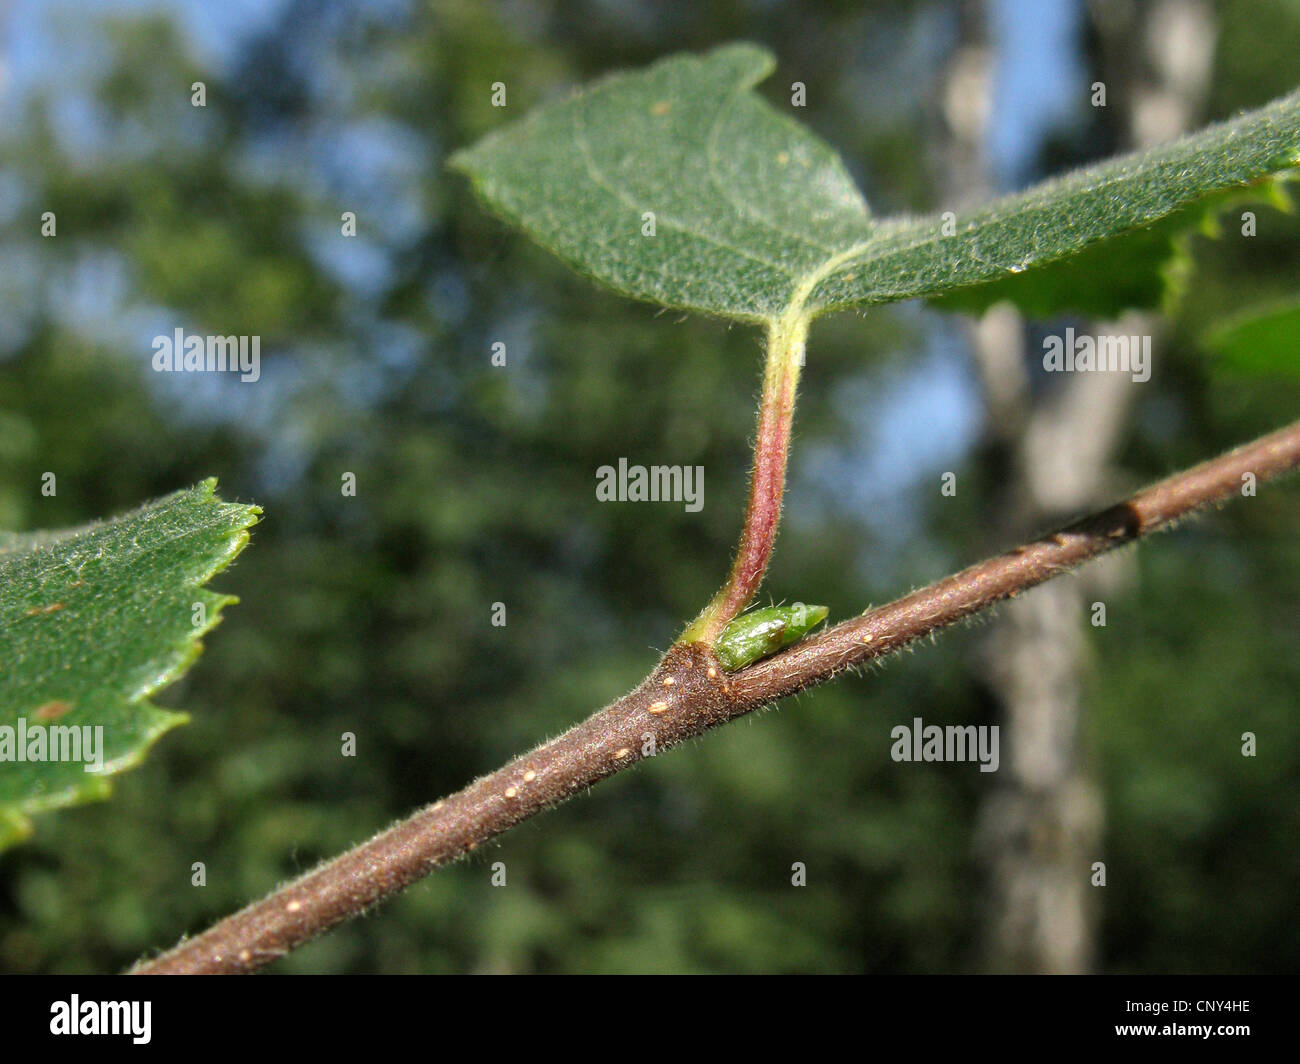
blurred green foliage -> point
(371, 614)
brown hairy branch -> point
(687, 694)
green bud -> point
(761, 633)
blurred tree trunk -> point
(1050, 446)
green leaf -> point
(756, 218)
(1260, 341)
(93, 620)
(746, 202)
(1143, 268)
